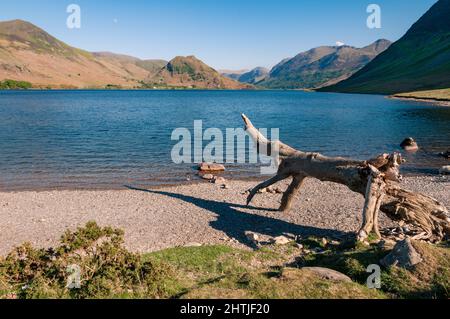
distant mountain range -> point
(28, 53)
(252, 77)
(420, 60)
(321, 66)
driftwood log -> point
(378, 180)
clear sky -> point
(226, 34)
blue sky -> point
(226, 34)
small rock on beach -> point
(211, 167)
(445, 170)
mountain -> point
(28, 53)
(256, 75)
(420, 60)
(190, 72)
(233, 74)
(321, 66)
(132, 64)
(253, 76)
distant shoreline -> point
(158, 89)
(434, 101)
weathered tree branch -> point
(377, 180)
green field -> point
(437, 95)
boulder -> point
(387, 244)
(409, 144)
(253, 237)
(208, 177)
(445, 170)
(280, 240)
(211, 167)
(403, 255)
(328, 274)
(290, 236)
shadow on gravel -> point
(236, 222)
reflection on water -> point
(105, 139)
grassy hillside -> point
(29, 54)
(24, 35)
(153, 66)
(190, 72)
(420, 60)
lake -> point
(107, 139)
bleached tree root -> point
(378, 180)
(373, 198)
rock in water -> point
(445, 154)
(211, 167)
(409, 144)
(445, 170)
(328, 274)
(403, 255)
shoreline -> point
(158, 218)
(193, 182)
(433, 101)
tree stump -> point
(378, 180)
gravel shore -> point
(195, 214)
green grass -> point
(108, 270)
(438, 95)
(429, 279)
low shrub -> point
(15, 85)
(89, 263)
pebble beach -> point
(195, 214)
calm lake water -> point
(107, 139)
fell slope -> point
(190, 72)
(419, 61)
(28, 53)
(321, 66)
